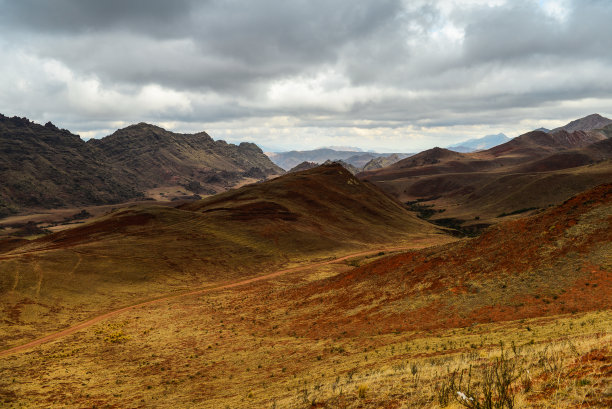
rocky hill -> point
(588, 123)
(44, 167)
(47, 167)
(158, 157)
(502, 275)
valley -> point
(323, 289)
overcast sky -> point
(298, 74)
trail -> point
(40, 278)
(86, 324)
(78, 263)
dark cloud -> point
(77, 16)
(333, 63)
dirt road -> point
(92, 321)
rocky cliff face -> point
(47, 167)
(158, 157)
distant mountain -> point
(47, 167)
(288, 160)
(588, 123)
(479, 144)
(531, 171)
(382, 161)
(158, 157)
(303, 166)
(372, 160)
(44, 167)
(342, 148)
(537, 143)
(344, 164)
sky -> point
(385, 75)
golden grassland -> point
(240, 348)
(143, 252)
(526, 320)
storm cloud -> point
(392, 74)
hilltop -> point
(588, 123)
(140, 252)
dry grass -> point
(344, 337)
(241, 348)
(144, 252)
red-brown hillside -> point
(559, 261)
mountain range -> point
(530, 172)
(291, 159)
(479, 144)
(46, 167)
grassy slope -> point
(142, 252)
(357, 338)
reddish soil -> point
(527, 268)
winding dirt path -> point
(95, 320)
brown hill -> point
(538, 143)
(429, 157)
(588, 123)
(46, 167)
(141, 252)
(557, 262)
(158, 157)
(327, 199)
(534, 170)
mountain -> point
(344, 164)
(532, 171)
(536, 143)
(47, 167)
(138, 252)
(588, 123)
(479, 144)
(288, 160)
(342, 148)
(158, 157)
(382, 161)
(44, 167)
(303, 166)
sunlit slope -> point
(141, 252)
(326, 201)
